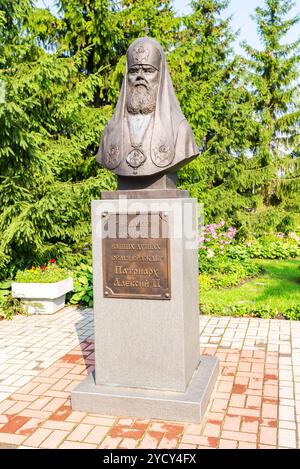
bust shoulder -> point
(185, 146)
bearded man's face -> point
(142, 89)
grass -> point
(278, 288)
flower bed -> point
(49, 273)
(216, 268)
(42, 290)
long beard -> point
(141, 100)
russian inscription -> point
(136, 256)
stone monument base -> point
(188, 406)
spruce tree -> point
(49, 135)
(273, 171)
(106, 28)
(212, 91)
(59, 82)
(61, 78)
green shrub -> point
(83, 286)
(9, 306)
(205, 282)
(270, 247)
(238, 310)
(4, 261)
(6, 285)
(293, 313)
(238, 251)
(273, 250)
(225, 272)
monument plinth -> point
(145, 259)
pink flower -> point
(210, 253)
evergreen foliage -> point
(273, 172)
(217, 103)
(59, 81)
(49, 133)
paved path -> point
(256, 402)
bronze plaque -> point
(136, 256)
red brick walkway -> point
(256, 402)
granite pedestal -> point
(188, 406)
(147, 361)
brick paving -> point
(255, 404)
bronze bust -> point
(148, 134)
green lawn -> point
(278, 288)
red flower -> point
(44, 267)
(52, 261)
